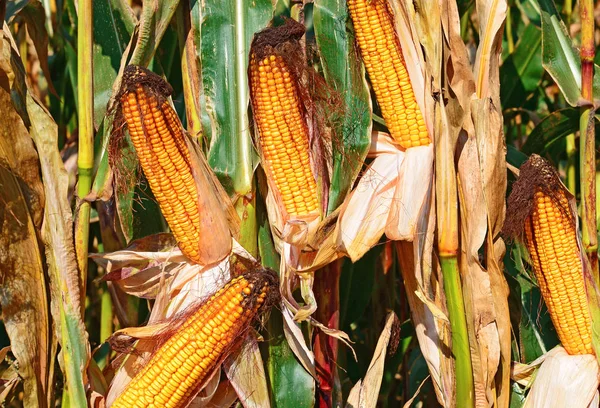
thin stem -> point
(509, 35)
(85, 158)
(571, 151)
(460, 337)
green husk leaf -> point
(344, 72)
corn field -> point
(299, 203)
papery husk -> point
(425, 295)
(564, 380)
(389, 198)
(246, 372)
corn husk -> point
(562, 380)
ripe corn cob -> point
(178, 368)
(551, 238)
(159, 141)
(382, 55)
(282, 128)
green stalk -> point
(587, 147)
(85, 159)
(460, 337)
(106, 324)
(448, 250)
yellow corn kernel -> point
(552, 242)
(159, 140)
(175, 371)
(283, 133)
(384, 62)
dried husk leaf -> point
(484, 289)
(295, 340)
(224, 396)
(246, 373)
(488, 121)
(412, 194)
(366, 391)
(565, 380)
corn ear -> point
(282, 129)
(543, 217)
(175, 372)
(384, 62)
(176, 171)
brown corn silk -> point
(280, 118)
(540, 214)
(382, 55)
(160, 143)
(181, 365)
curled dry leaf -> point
(23, 294)
(366, 392)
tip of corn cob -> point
(135, 75)
(535, 175)
(271, 37)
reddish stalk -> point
(326, 288)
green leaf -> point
(560, 57)
(514, 156)
(156, 16)
(356, 286)
(35, 18)
(225, 36)
(531, 9)
(113, 25)
(290, 384)
(345, 74)
(517, 396)
(551, 129)
(521, 72)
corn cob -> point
(382, 55)
(178, 368)
(281, 125)
(158, 138)
(540, 204)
